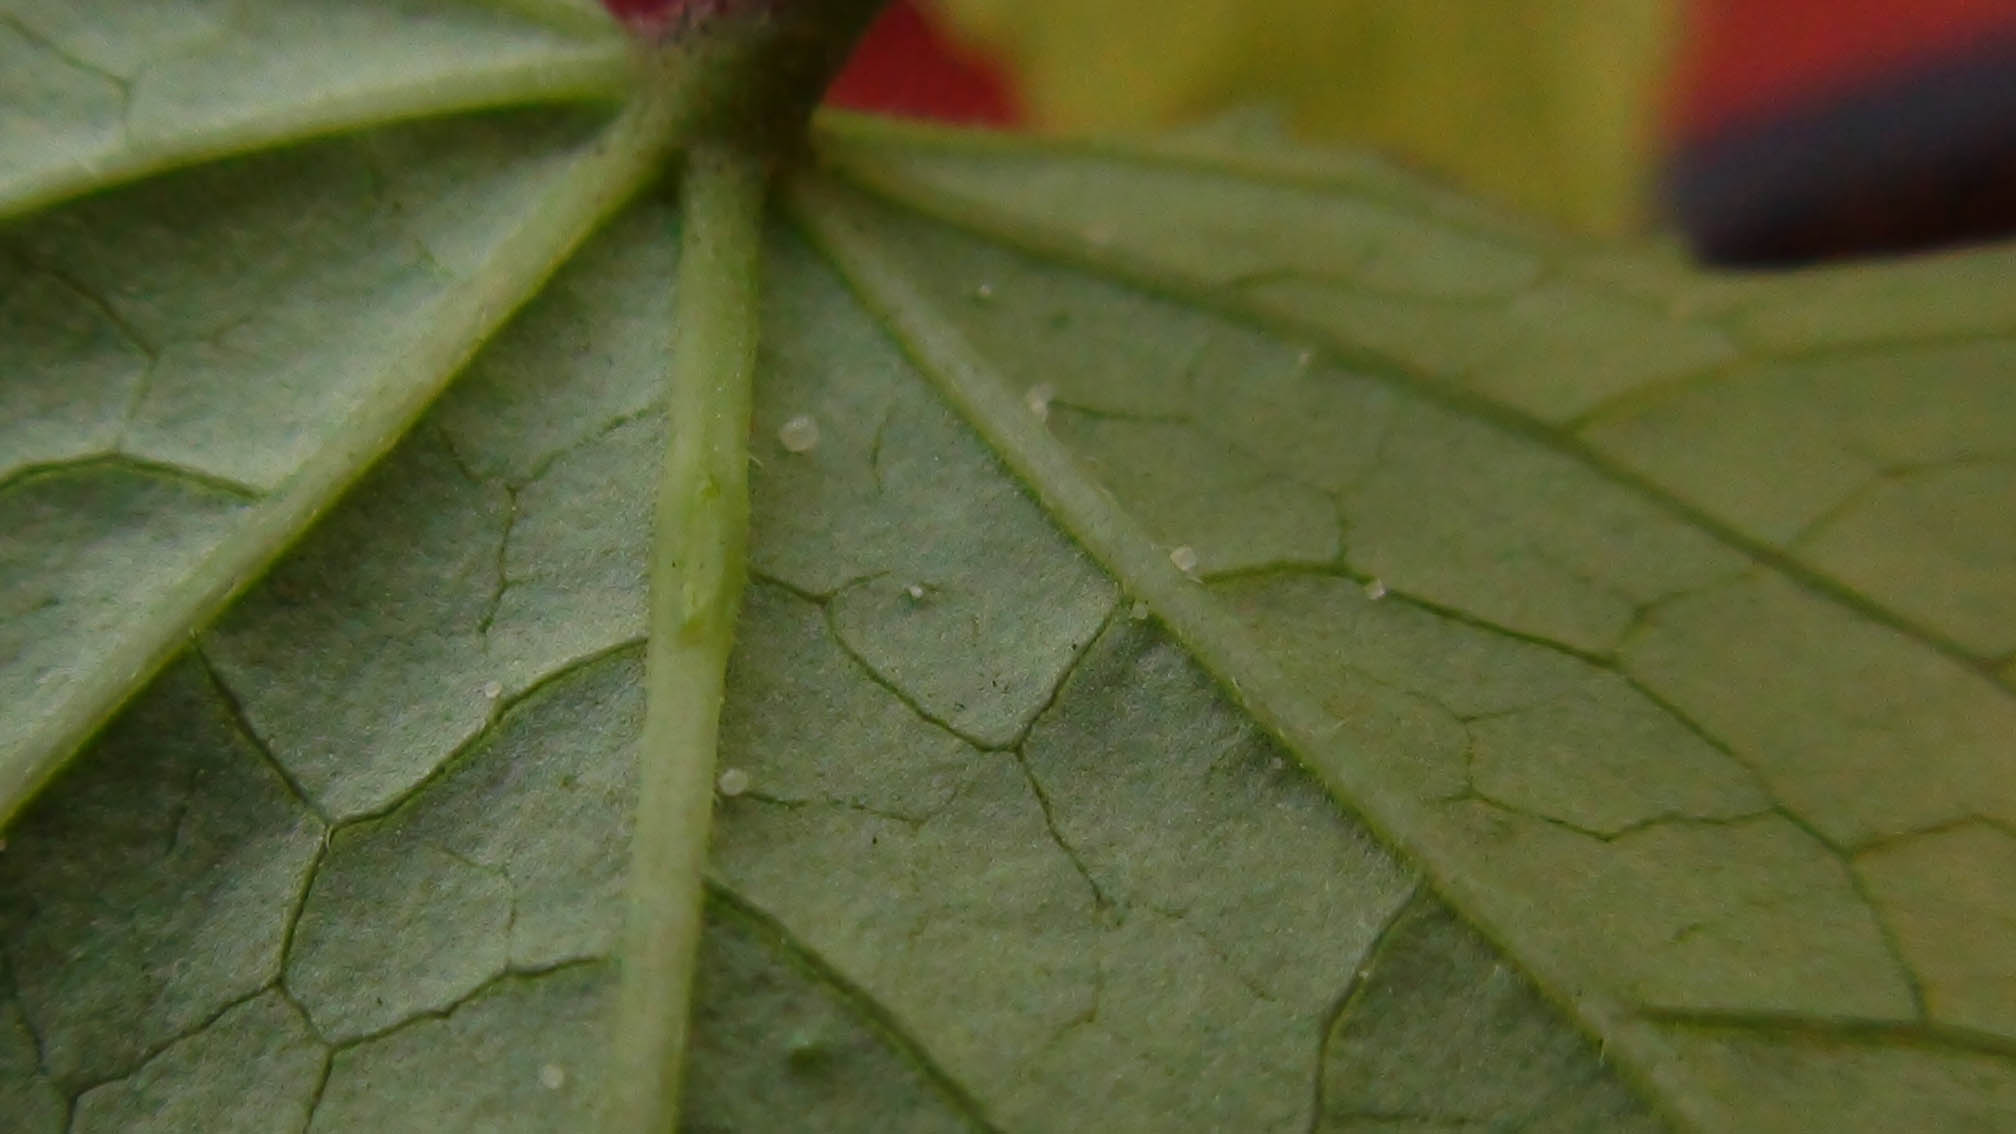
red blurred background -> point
(908, 66)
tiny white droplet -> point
(1038, 399)
(915, 591)
(1375, 590)
(803, 1048)
(1138, 612)
(984, 291)
(552, 1076)
(800, 434)
(733, 782)
(1185, 558)
(493, 690)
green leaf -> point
(98, 97)
(1589, 705)
(224, 351)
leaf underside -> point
(1593, 710)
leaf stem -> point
(696, 584)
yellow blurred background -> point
(1549, 105)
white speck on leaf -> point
(1139, 611)
(552, 1076)
(803, 1048)
(733, 782)
(1375, 590)
(1038, 399)
(493, 690)
(1185, 558)
(915, 591)
(799, 435)
(984, 291)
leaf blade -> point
(1008, 833)
(586, 190)
(1486, 335)
(133, 93)
(1790, 820)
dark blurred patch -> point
(1908, 158)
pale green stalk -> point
(696, 585)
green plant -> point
(1257, 641)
